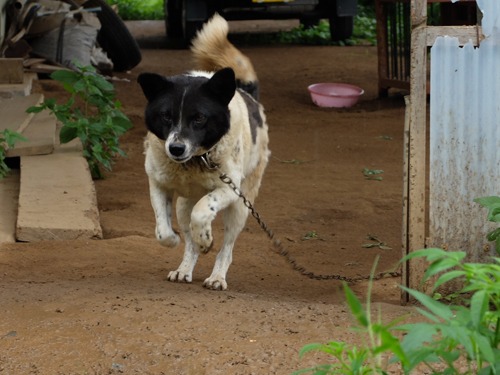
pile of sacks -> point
(66, 34)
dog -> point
(202, 125)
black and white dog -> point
(201, 125)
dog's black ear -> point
(223, 85)
(153, 84)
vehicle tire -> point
(341, 28)
(174, 16)
(178, 27)
(309, 21)
(114, 37)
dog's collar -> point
(207, 162)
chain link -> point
(282, 251)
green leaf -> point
(437, 308)
(103, 85)
(492, 236)
(65, 76)
(478, 306)
(488, 201)
(433, 254)
(122, 123)
(390, 343)
(67, 134)
(35, 109)
(417, 334)
(439, 266)
(355, 306)
(485, 347)
(309, 348)
(10, 137)
(448, 276)
(492, 203)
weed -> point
(139, 9)
(377, 243)
(98, 122)
(316, 35)
(372, 174)
(493, 206)
(311, 235)
(352, 359)
(8, 139)
(449, 337)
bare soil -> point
(105, 307)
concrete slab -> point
(57, 199)
(13, 111)
(9, 194)
(11, 90)
(40, 136)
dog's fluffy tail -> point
(213, 51)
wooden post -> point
(417, 147)
(416, 205)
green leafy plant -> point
(352, 359)
(91, 114)
(139, 9)
(451, 339)
(454, 334)
(8, 139)
(315, 35)
(365, 26)
(373, 174)
(364, 31)
(493, 206)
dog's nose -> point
(176, 149)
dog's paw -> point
(171, 239)
(179, 277)
(215, 283)
(202, 236)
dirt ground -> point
(105, 307)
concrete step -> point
(9, 195)
(57, 199)
(40, 136)
(10, 90)
(13, 111)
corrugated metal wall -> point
(464, 138)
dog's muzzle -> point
(177, 149)
(178, 152)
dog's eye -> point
(166, 117)
(199, 119)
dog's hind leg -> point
(184, 272)
(235, 217)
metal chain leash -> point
(280, 249)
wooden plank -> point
(13, 112)
(10, 90)
(57, 199)
(9, 195)
(11, 70)
(40, 137)
(418, 13)
(463, 33)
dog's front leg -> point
(161, 200)
(205, 211)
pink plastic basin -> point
(335, 94)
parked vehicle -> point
(184, 17)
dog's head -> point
(189, 112)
